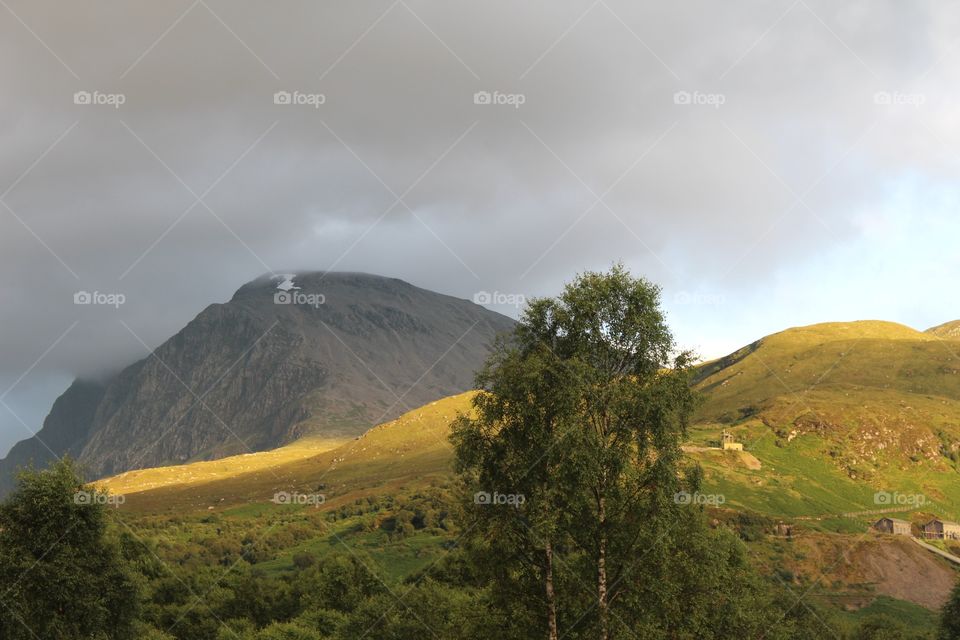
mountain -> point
(64, 432)
(799, 481)
(948, 330)
(317, 354)
(836, 412)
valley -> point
(824, 428)
(829, 417)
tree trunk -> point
(602, 604)
(551, 597)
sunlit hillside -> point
(829, 415)
(836, 412)
(412, 447)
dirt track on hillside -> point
(904, 570)
(893, 566)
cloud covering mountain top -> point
(770, 164)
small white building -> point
(727, 442)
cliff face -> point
(331, 357)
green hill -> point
(836, 412)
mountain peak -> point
(291, 354)
(315, 281)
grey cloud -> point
(711, 186)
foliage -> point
(582, 414)
(62, 575)
(950, 617)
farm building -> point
(941, 530)
(893, 525)
(727, 442)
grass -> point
(836, 413)
(209, 471)
(391, 559)
(913, 616)
(412, 449)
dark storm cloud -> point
(199, 181)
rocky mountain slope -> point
(65, 431)
(327, 355)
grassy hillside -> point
(198, 473)
(836, 412)
(415, 446)
(828, 414)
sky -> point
(769, 164)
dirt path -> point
(940, 552)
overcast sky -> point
(770, 164)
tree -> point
(61, 575)
(950, 616)
(511, 451)
(303, 560)
(885, 627)
(339, 582)
(582, 412)
(424, 610)
(634, 405)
